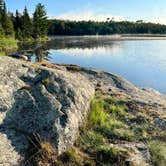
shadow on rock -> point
(34, 112)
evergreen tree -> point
(27, 28)
(7, 23)
(40, 22)
(1, 6)
(1, 10)
(18, 25)
(1, 31)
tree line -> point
(21, 25)
(61, 27)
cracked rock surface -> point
(54, 102)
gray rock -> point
(160, 123)
(53, 103)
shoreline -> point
(115, 37)
(76, 68)
(59, 99)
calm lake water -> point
(143, 62)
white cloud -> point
(161, 20)
(80, 15)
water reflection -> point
(36, 51)
(142, 62)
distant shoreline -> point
(116, 36)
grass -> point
(104, 124)
(110, 123)
(7, 44)
(98, 116)
(71, 156)
(91, 141)
(110, 120)
(104, 118)
(39, 152)
(108, 155)
(158, 152)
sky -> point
(98, 10)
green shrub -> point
(141, 133)
(98, 116)
(89, 163)
(158, 153)
(110, 155)
(91, 141)
(7, 44)
(117, 110)
(70, 156)
(118, 133)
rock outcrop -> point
(53, 102)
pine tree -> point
(18, 25)
(27, 28)
(40, 22)
(7, 23)
(1, 11)
(1, 31)
(1, 6)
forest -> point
(109, 27)
(26, 27)
(17, 26)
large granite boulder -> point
(51, 103)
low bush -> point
(110, 155)
(70, 158)
(158, 153)
(91, 140)
(7, 44)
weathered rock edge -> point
(52, 102)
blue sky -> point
(148, 10)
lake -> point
(142, 62)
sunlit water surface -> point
(143, 62)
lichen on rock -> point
(53, 103)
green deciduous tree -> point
(40, 21)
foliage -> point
(20, 26)
(6, 29)
(108, 155)
(6, 21)
(103, 135)
(104, 118)
(71, 156)
(7, 43)
(107, 123)
(65, 27)
(40, 21)
(158, 152)
(91, 141)
(27, 27)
